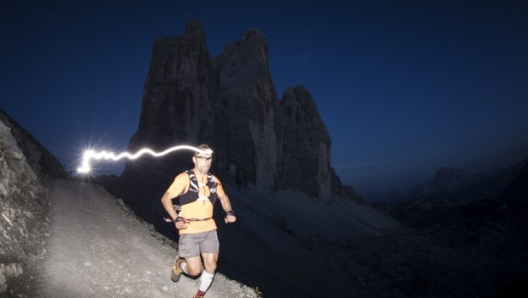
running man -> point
(197, 191)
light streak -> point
(91, 154)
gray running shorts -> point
(193, 245)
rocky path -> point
(99, 249)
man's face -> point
(202, 162)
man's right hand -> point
(180, 225)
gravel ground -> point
(97, 248)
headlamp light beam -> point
(91, 154)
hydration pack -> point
(192, 194)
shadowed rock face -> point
(24, 205)
(230, 103)
(306, 145)
(40, 159)
(250, 103)
(516, 192)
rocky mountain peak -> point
(446, 180)
(194, 30)
(450, 179)
(255, 35)
(306, 150)
(230, 102)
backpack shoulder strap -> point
(193, 182)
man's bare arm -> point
(167, 204)
(226, 205)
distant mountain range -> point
(456, 186)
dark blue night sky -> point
(404, 87)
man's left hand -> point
(229, 218)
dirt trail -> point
(98, 249)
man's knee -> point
(210, 267)
(194, 270)
(193, 266)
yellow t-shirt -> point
(199, 209)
